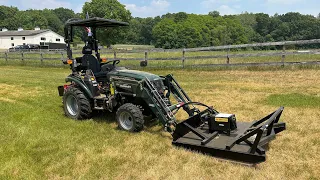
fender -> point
(81, 84)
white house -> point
(10, 39)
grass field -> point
(38, 142)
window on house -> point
(24, 44)
(12, 44)
(12, 38)
(43, 38)
(58, 40)
(23, 38)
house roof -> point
(23, 33)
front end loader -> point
(99, 85)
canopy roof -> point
(95, 22)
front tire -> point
(129, 118)
(76, 105)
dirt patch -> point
(7, 100)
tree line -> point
(172, 30)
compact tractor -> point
(97, 84)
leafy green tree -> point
(263, 24)
(147, 25)
(172, 30)
(198, 30)
(180, 17)
(109, 9)
(165, 34)
(54, 23)
(214, 14)
(7, 17)
(64, 14)
(133, 34)
(30, 19)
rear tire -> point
(76, 105)
(129, 118)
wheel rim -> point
(126, 120)
(72, 105)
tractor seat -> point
(89, 61)
(92, 63)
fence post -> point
(6, 56)
(283, 55)
(228, 58)
(61, 56)
(146, 56)
(41, 58)
(22, 56)
(183, 57)
(115, 55)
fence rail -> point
(145, 55)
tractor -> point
(100, 84)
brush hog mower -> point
(97, 84)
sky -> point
(152, 8)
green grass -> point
(294, 100)
(38, 142)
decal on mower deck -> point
(222, 119)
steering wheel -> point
(114, 62)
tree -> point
(198, 30)
(147, 25)
(263, 23)
(165, 34)
(214, 14)
(180, 17)
(172, 30)
(64, 14)
(133, 34)
(54, 23)
(109, 9)
(30, 19)
(7, 17)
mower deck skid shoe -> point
(245, 144)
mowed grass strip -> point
(37, 141)
(295, 100)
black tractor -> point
(97, 84)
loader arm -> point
(160, 108)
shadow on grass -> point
(152, 126)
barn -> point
(9, 39)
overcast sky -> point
(151, 8)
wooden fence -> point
(144, 54)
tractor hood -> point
(138, 75)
